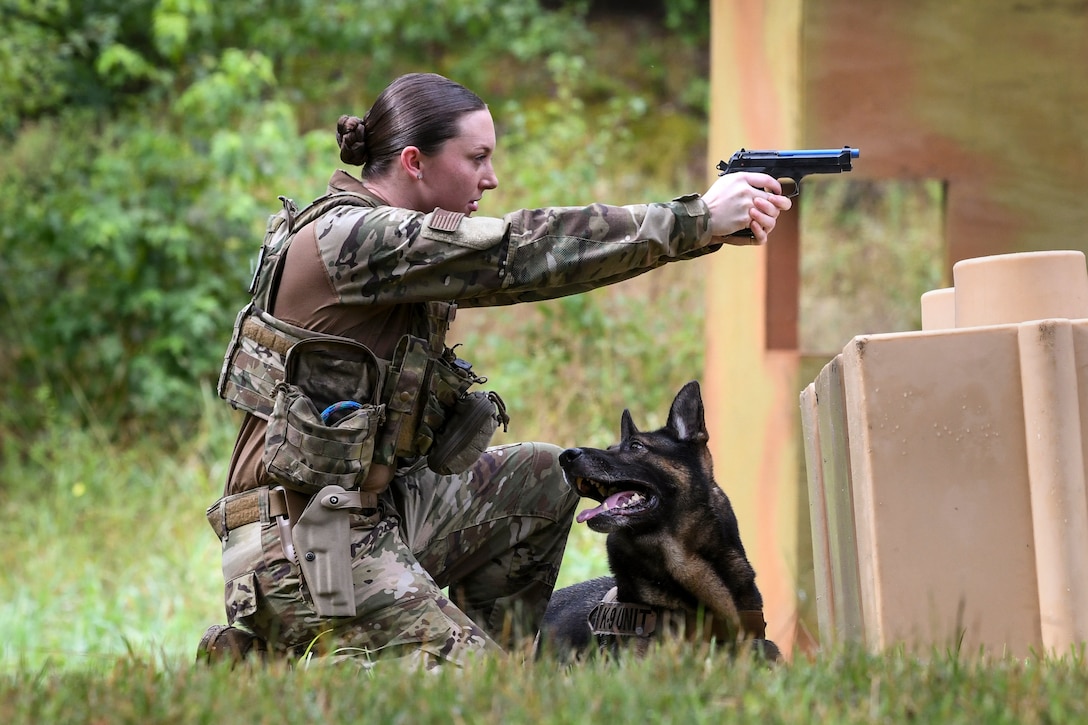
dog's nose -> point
(569, 455)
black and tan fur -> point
(673, 541)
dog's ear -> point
(627, 426)
(686, 418)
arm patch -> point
(452, 227)
(445, 221)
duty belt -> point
(267, 503)
(258, 504)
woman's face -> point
(458, 175)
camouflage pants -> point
(494, 535)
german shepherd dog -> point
(674, 549)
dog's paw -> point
(760, 650)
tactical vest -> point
(332, 405)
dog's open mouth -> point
(617, 499)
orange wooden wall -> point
(989, 97)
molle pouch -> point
(467, 432)
(322, 538)
(402, 396)
(326, 417)
(254, 362)
(450, 379)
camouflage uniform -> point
(495, 534)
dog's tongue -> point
(616, 499)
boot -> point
(223, 643)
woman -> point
(377, 271)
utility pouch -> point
(326, 417)
(467, 432)
(404, 384)
(322, 538)
(254, 361)
(450, 380)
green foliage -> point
(55, 55)
(689, 19)
(552, 147)
(148, 142)
(106, 549)
(124, 255)
(871, 249)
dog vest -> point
(622, 619)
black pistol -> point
(789, 166)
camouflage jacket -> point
(391, 255)
(365, 272)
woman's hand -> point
(745, 200)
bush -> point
(150, 149)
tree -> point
(148, 138)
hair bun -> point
(351, 137)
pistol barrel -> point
(792, 163)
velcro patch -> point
(448, 227)
(620, 618)
(446, 221)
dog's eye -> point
(636, 446)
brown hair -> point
(417, 109)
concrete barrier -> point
(946, 467)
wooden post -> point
(751, 383)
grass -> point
(105, 550)
(671, 685)
(870, 249)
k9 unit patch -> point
(620, 618)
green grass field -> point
(670, 686)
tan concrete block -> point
(963, 465)
(939, 309)
(814, 474)
(1053, 356)
(1012, 288)
(939, 472)
(838, 503)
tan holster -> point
(322, 539)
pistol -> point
(789, 167)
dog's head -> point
(645, 472)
